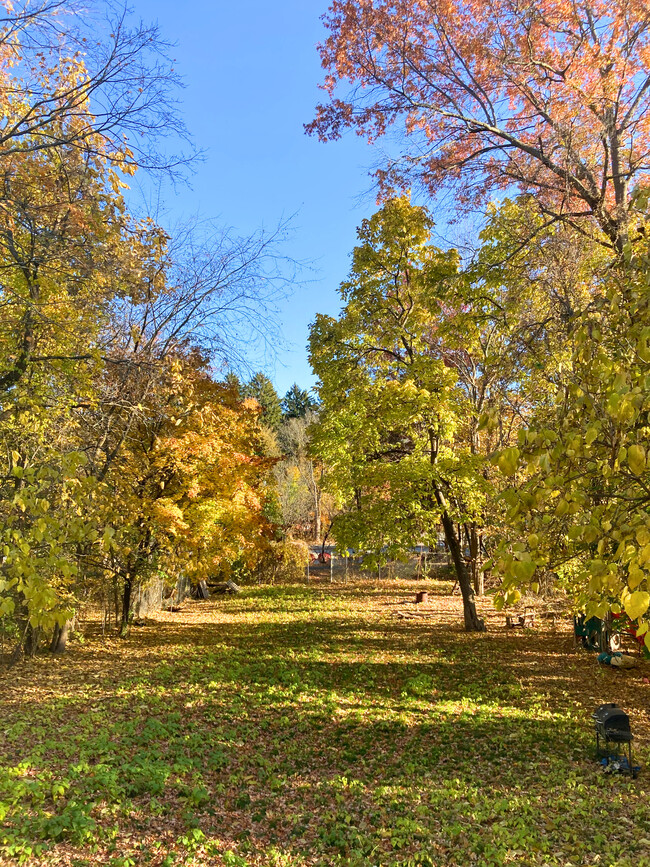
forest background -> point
(500, 398)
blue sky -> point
(251, 72)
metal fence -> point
(339, 568)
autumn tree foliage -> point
(551, 101)
(578, 495)
(122, 456)
(187, 489)
(390, 406)
(306, 508)
(87, 76)
(550, 97)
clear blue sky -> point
(251, 72)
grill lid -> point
(611, 722)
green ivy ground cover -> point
(319, 725)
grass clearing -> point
(310, 725)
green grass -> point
(307, 725)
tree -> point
(391, 406)
(297, 402)
(61, 229)
(99, 311)
(553, 98)
(578, 502)
(508, 331)
(261, 389)
(299, 475)
(89, 79)
(152, 331)
(187, 491)
(233, 382)
(97, 307)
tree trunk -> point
(19, 647)
(475, 559)
(473, 623)
(317, 497)
(317, 522)
(31, 640)
(126, 604)
(60, 637)
(116, 603)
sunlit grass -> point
(311, 725)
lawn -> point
(319, 725)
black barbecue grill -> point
(613, 726)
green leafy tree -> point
(263, 391)
(297, 402)
(390, 405)
(507, 331)
(579, 502)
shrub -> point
(285, 560)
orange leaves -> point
(204, 479)
(496, 94)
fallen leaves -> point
(297, 726)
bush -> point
(285, 560)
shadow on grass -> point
(339, 775)
(356, 741)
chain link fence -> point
(339, 568)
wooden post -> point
(346, 565)
(331, 567)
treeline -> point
(301, 508)
(123, 458)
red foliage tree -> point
(551, 96)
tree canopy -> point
(550, 97)
(390, 408)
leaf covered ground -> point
(319, 725)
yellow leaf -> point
(644, 555)
(636, 459)
(636, 604)
(643, 536)
(508, 461)
(635, 575)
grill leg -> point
(629, 758)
